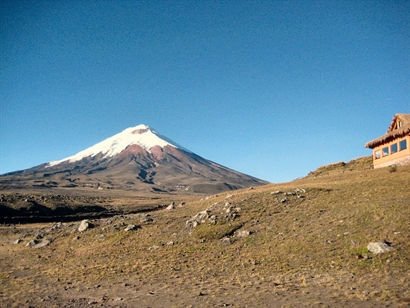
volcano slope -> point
(307, 246)
(136, 159)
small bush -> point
(392, 168)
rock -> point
(145, 218)
(131, 228)
(283, 200)
(213, 219)
(17, 241)
(119, 225)
(181, 204)
(153, 247)
(56, 226)
(379, 247)
(43, 243)
(226, 241)
(38, 236)
(32, 242)
(242, 233)
(197, 219)
(84, 225)
(171, 206)
(276, 192)
(201, 216)
(170, 243)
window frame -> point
(404, 141)
(385, 153)
(396, 148)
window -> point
(385, 151)
(403, 145)
(377, 154)
(393, 148)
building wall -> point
(398, 158)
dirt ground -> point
(302, 244)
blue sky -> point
(269, 88)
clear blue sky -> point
(270, 88)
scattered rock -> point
(197, 219)
(84, 225)
(171, 206)
(191, 224)
(43, 243)
(213, 219)
(131, 227)
(226, 241)
(232, 212)
(17, 241)
(56, 226)
(119, 226)
(32, 242)
(145, 218)
(379, 247)
(201, 216)
(242, 233)
(38, 236)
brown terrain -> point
(302, 243)
(162, 170)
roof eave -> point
(388, 137)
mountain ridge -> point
(138, 158)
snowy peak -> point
(141, 135)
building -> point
(394, 147)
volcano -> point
(137, 158)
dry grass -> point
(304, 251)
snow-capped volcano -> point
(141, 135)
(138, 158)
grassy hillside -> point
(307, 246)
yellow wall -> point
(399, 158)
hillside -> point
(301, 243)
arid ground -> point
(302, 243)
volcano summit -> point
(139, 159)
